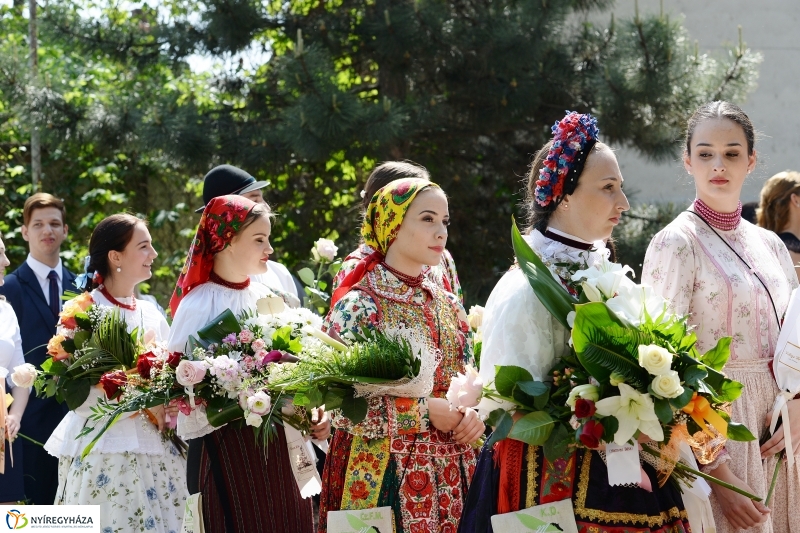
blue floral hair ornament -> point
(574, 136)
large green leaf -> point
(506, 378)
(717, 356)
(220, 411)
(354, 408)
(502, 423)
(739, 432)
(533, 428)
(604, 345)
(550, 292)
(76, 391)
(218, 328)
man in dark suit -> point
(34, 291)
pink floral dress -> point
(691, 267)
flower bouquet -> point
(91, 340)
(226, 370)
(634, 370)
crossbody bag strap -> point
(752, 271)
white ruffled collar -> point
(562, 259)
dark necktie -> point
(55, 306)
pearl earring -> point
(119, 269)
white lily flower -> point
(634, 411)
(632, 301)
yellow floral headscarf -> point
(387, 209)
(382, 221)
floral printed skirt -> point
(136, 492)
(425, 481)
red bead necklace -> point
(104, 292)
(213, 277)
(411, 281)
(722, 221)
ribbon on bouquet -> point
(781, 408)
(304, 462)
(702, 412)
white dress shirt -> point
(41, 270)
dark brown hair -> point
(112, 233)
(390, 171)
(539, 216)
(42, 200)
(260, 210)
(773, 211)
(717, 110)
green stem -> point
(780, 457)
(684, 468)
(30, 439)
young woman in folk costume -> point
(412, 454)
(444, 273)
(245, 486)
(575, 199)
(734, 279)
(137, 477)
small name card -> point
(557, 517)
(374, 520)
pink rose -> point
(258, 344)
(190, 373)
(245, 336)
(465, 389)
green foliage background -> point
(468, 88)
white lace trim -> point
(420, 386)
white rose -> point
(259, 403)
(253, 420)
(475, 317)
(667, 385)
(655, 359)
(24, 375)
(324, 249)
(591, 292)
(587, 392)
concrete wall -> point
(769, 27)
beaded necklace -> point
(411, 281)
(213, 277)
(104, 292)
(721, 221)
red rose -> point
(145, 364)
(591, 434)
(69, 323)
(584, 408)
(174, 359)
(112, 381)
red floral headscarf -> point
(222, 218)
(382, 222)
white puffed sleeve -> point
(518, 330)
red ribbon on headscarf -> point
(357, 274)
(222, 218)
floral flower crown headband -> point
(574, 136)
